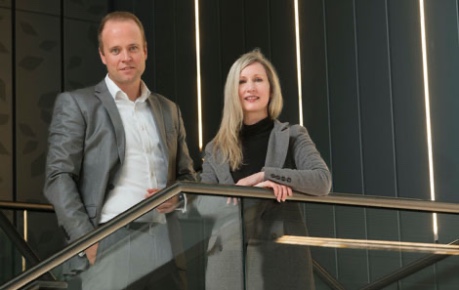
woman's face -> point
(254, 93)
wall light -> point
(198, 69)
(298, 61)
(428, 125)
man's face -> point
(124, 52)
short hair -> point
(119, 16)
(227, 138)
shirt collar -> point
(116, 92)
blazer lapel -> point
(222, 170)
(104, 96)
(159, 120)
(278, 145)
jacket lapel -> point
(278, 145)
(159, 121)
(104, 96)
(223, 172)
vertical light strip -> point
(428, 126)
(198, 69)
(298, 61)
(26, 238)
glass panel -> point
(11, 261)
(352, 246)
(289, 245)
(166, 251)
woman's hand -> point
(281, 192)
(252, 180)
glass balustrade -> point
(257, 243)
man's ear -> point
(102, 56)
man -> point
(110, 147)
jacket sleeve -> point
(207, 205)
(65, 155)
(185, 170)
(208, 174)
(311, 174)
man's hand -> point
(91, 253)
(166, 207)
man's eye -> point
(115, 51)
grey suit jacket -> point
(292, 159)
(86, 151)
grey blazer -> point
(86, 151)
(292, 159)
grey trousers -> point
(137, 257)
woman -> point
(252, 148)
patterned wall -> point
(6, 145)
(52, 52)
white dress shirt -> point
(144, 162)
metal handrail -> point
(334, 198)
(17, 205)
(222, 190)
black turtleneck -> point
(254, 139)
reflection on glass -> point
(364, 249)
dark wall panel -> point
(212, 74)
(5, 3)
(43, 7)
(376, 111)
(314, 75)
(232, 31)
(174, 71)
(408, 97)
(345, 126)
(6, 109)
(375, 98)
(81, 65)
(443, 58)
(283, 56)
(87, 10)
(383, 225)
(186, 75)
(352, 263)
(344, 97)
(320, 220)
(258, 29)
(38, 74)
(222, 42)
(417, 227)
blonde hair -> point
(227, 138)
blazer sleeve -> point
(208, 174)
(64, 159)
(310, 174)
(185, 170)
(207, 205)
